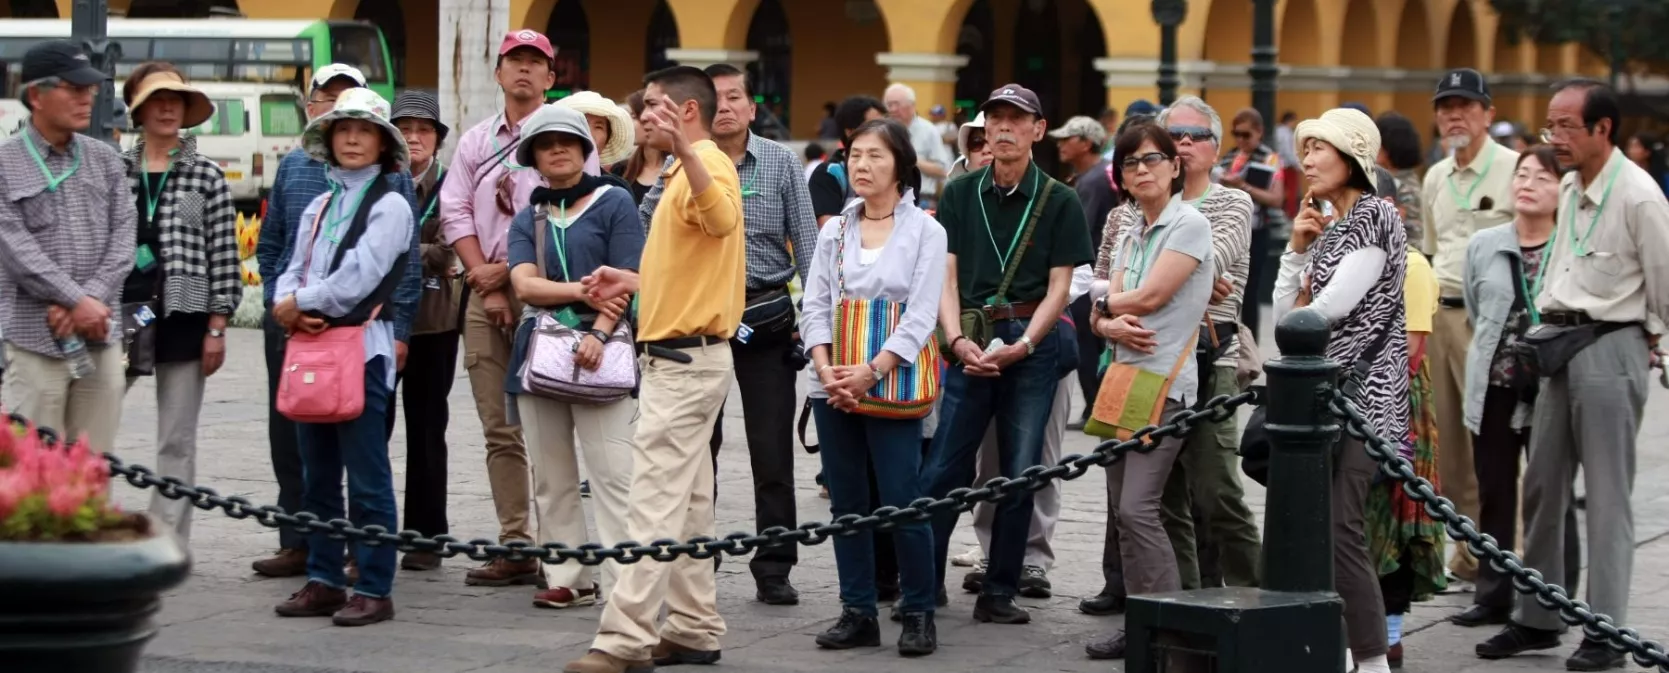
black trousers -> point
(431, 367)
(769, 404)
(1496, 452)
(282, 437)
(1089, 353)
(1251, 306)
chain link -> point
(1647, 653)
(1034, 478)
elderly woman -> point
(1347, 259)
(1256, 168)
(881, 250)
(185, 270)
(612, 129)
(972, 153)
(1160, 280)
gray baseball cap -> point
(1082, 127)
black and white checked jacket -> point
(199, 232)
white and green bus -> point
(263, 51)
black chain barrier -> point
(1033, 479)
(1647, 653)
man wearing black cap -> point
(1014, 237)
(1467, 192)
(66, 245)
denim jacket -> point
(1489, 290)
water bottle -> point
(76, 357)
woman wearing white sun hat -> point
(612, 129)
(350, 252)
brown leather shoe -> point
(502, 573)
(314, 600)
(363, 610)
(286, 563)
(598, 661)
(420, 560)
(668, 653)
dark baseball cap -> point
(61, 59)
(1463, 82)
(1016, 95)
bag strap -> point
(805, 419)
(539, 223)
(318, 218)
(1025, 235)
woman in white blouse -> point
(881, 247)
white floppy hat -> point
(622, 132)
(966, 131)
(362, 104)
(1352, 133)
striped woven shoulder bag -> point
(861, 328)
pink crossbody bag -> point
(324, 374)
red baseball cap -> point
(531, 39)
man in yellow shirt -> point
(691, 298)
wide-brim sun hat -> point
(362, 104)
(1354, 134)
(198, 107)
(966, 131)
(553, 118)
(622, 136)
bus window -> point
(361, 46)
(281, 115)
(228, 119)
(192, 50)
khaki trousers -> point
(1450, 339)
(605, 439)
(179, 404)
(487, 360)
(671, 497)
(40, 388)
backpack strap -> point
(1025, 236)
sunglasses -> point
(1242, 135)
(1198, 134)
(1151, 160)
(976, 143)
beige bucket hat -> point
(198, 107)
(1354, 134)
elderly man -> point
(932, 154)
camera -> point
(795, 356)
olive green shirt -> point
(983, 223)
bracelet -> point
(601, 335)
(875, 371)
(959, 337)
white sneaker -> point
(967, 559)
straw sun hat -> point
(362, 104)
(622, 132)
(198, 107)
(1354, 134)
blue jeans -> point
(361, 447)
(849, 443)
(1020, 401)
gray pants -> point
(1354, 575)
(1587, 415)
(1046, 503)
(179, 401)
(1134, 486)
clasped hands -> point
(977, 362)
(846, 384)
(89, 317)
(1125, 330)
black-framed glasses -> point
(1198, 134)
(1242, 135)
(1151, 160)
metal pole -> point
(1619, 59)
(1263, 68)
(89, 22)
(1168, 14)
(1298, 533)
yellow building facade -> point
(1080, 55)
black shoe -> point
(1109, 648)
(1516, 639)
(974, 581)
(1102, 604)
(854, 629)
(1034, 583)
(942, 601)
(1000, 610)
(1481, 615)
(1593, 655)
(920, 637)
(778, 592)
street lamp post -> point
(88, 29)
(1168, 14)
(1263, 68)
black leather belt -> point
(1451, 302)
(1567, 318)
(681, 343)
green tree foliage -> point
(1635, 27)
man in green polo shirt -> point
(1014, 237)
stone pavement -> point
(222, 619)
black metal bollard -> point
(1294, 624)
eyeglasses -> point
(1561, 130)
(976, 143)
(1198, 134)
(1150, 160)
(1242, 135)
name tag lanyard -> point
(343, 215)
(1580, 241)
(1531, 291)
(52, 181)
(753, 176)
(1144, 245)
(1002, 258)
(559, 233)
(1465, 202)
(434, 200)
(153, 198)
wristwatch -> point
(1030, 347)
(216, 333)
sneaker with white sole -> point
(968, 559)
(564, 597)
(1034, 583)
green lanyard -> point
(505, 159)
(1001, 256)
(1532, 291)
(560, 233)
(52, 181)
(1141, 266)
(747, 187)
(1580, 242)
(1198, 201)
(1465, 202)
(434, 200)
(154, 199)
(334, 221)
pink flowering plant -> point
(53, 493)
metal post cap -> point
(1303, 332)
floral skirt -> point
(1398, 529)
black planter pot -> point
(84, 607)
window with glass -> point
(282, 115)
(229, 119)
(361, 47)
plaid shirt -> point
(301, 179)
(776, 211)
(59, 245)
(198, 232)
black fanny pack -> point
(1546, 349)
(768, 318)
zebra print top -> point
(1372, 223)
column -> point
(470, 31)
(932, 76)
(701, 58)
(1130, 78)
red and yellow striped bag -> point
(908, 391)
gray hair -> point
(1199, 105)
(896, 87)
(45, 83)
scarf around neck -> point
(565, 195)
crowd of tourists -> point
(610, 270)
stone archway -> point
(770, 76)
(569, 30)
(977, 41)
(1462, 42)
(662, 35)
